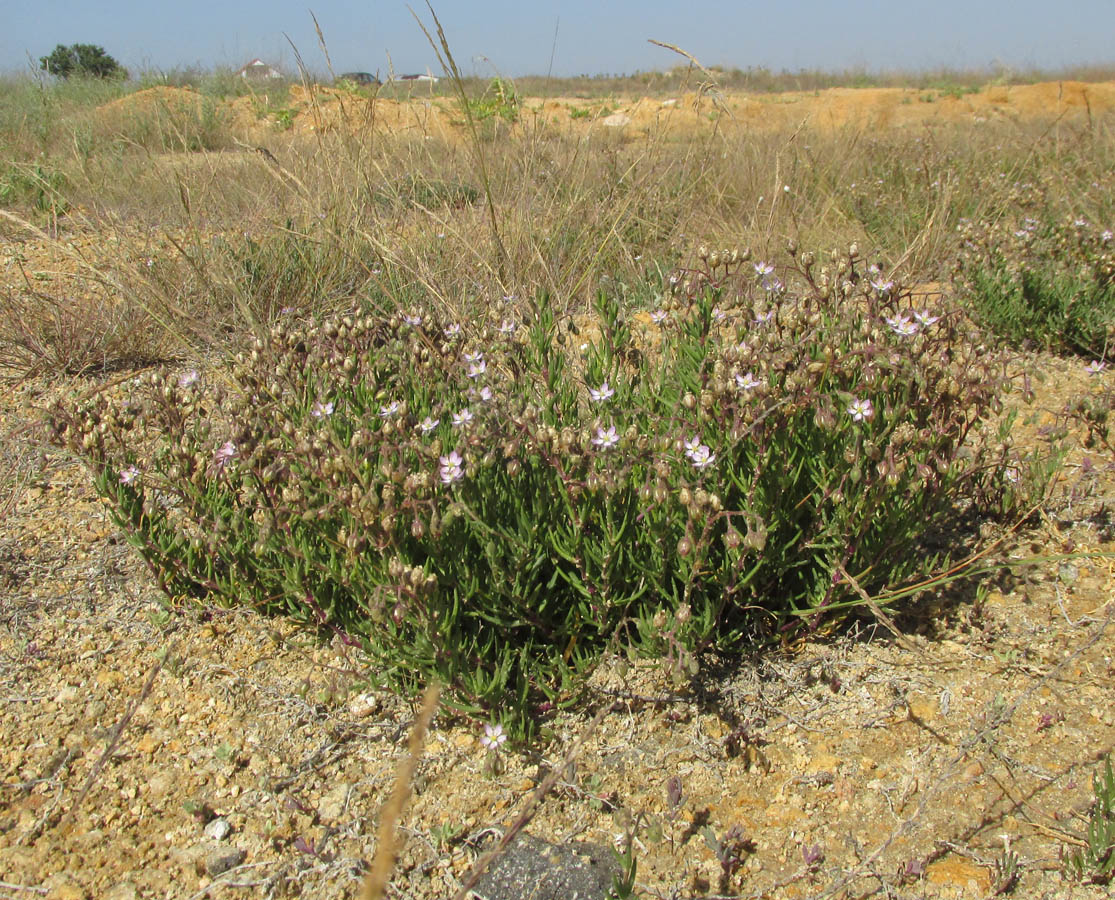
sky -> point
(574, 37)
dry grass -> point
(312, 223)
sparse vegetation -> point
(517, 428)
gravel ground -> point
(154, 751)
(149, 750)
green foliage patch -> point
(482, 504)
(86, 60)
(1049, 286)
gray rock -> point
(222, 859)
(218, 829)
(533, 869)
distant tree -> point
(82, 59)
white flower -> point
(485, 394)
(762, 269)
(475, 370)
(718, 314)
(189, 379)
(1095, 367)
(925, 317)
(412, 320)
(691, 443)
(321, 410)
(659, 316)
(474, 357)
(764, 318)
(860, 410)
(462, 418)
(386, 412)
(702, 457)
(452, 330)
(451, 467)
(773, 284)
(507, 328)
(602, 393)
(605, 440)
(428, 424)
(748, 382)
(883, 286)
(902, 326)
(1106, 236)
(129, 475)
(493, 737)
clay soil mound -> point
(692, 113)
(326, 109)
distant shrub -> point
(498, 100)
(1042, 285)
(87, 60)
(37, 186)
(482, 504)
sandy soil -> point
(155, 752)
(326, 108)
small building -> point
(258, 70)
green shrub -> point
(1095, 860)
(499, 99)
(1050, 287)
(492, 507)
(37, 186)
(87, 60)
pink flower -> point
(224, 455)
(702, 457)
(861, 410)
(493, 737)
(451, 467)
(602, 393)
(605, 440)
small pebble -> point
(218, 829)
